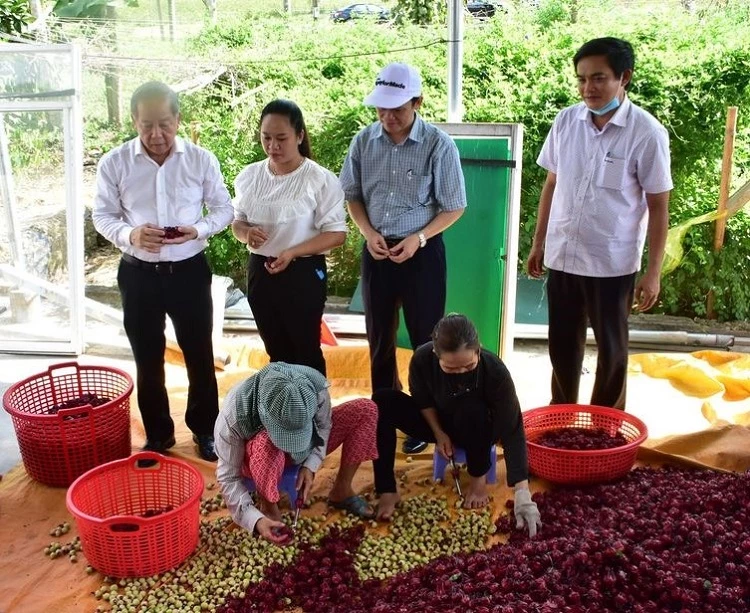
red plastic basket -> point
(573, 467)
(57, 448)
(109, 503)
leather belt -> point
(161, 268)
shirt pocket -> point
(612, 173)
(188, 204)
(417, 189)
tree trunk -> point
(36, 10)
(688, 5)
(573, 11)
(287, 6)
(172, 18)
(316, 9)
(112, 77)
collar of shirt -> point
(620, 118)
(178, 147)
(416, 133)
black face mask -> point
(462, 383)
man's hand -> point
(377, 246)
(189, 233)
(305, 478)
(526, 511)
(280, 264)
(647, 291)
(405, 249)
(265, 526)
(147, 237)
(256, 237)
(535, 263)
(443, 445)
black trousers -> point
(288, 307)
(606, 302)
(417, 285)
(184, 293)
(468, 426)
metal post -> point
(455, 60)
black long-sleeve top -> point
(430, 387)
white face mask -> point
(610, 106)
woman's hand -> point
(305, 478)
(265, 528)
(444, 445)
(255, 237)
(280, 264)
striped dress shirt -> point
(403, 187)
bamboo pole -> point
(726, 180)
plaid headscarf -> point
(282, 399)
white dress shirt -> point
(292, 208)
(230, 448)
(599, 216)
(132, 189)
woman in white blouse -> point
(290, 213)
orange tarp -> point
(704, 391)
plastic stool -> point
(288, 483)
(439, 464)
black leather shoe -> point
(205, 444)
(159, 446)
(156, 447)
(412, 445)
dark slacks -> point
(184, 294)
(417, 285)
(468, 425)
(288, 307)
(606, 303)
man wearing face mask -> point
(404, 186)
(460, 396)
(606, 193)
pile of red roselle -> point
(657, 541)
(81, 401)
(581, 439)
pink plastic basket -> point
(112, 503)
(573, 467)
(57, 448)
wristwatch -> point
(422, 239)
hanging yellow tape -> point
(673, 251)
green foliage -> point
(419, 12)
(551, 12)
(14, 15)
(81, 8)
(517, 68)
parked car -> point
(485, 8)
(361, 11)
(481, 8)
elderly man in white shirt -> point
(151, 192)
(607, 191)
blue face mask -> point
(610, 106)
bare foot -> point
(269, 509)
(475, 496)
(387, 505)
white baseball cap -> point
(395, 85)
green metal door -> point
(476, 246)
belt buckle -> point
(164, 268)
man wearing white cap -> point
(402, 179)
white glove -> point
(526, 511)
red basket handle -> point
(51, 374)
(62, 365)
(82, 411)
(147, 455)
(123, 523)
